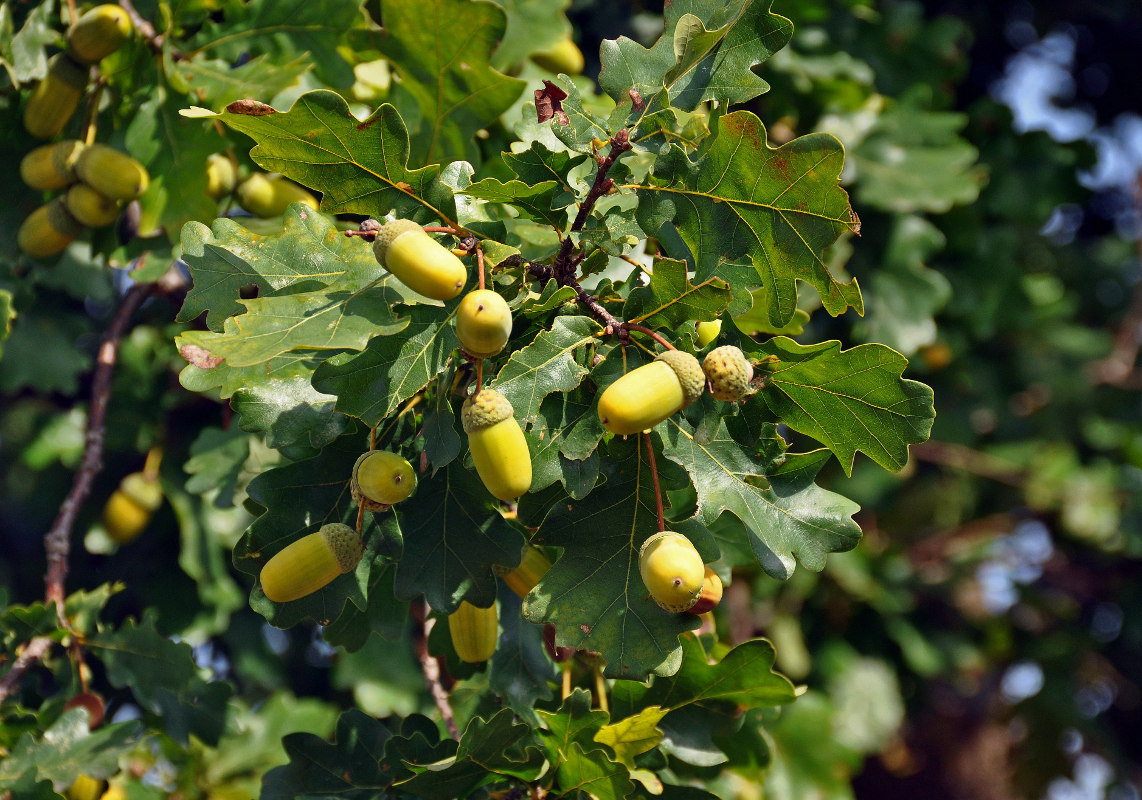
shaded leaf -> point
(532, 26)
(744, 677)
(592, 774)
(672, 300)
(67, 750)
(533, 201)
(519, 670)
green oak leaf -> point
(448, 75)
(532, 26)
(419, 742)
(68, 749)
(520, 671)
(22, 52)
(575, 722)
(707, 51)
(349, 768)
(634, 735)
(308, 254)
(533, 201)
(216, 83)
(672, 300)
(594, 593)
(582, 126)
(453, 535)
(217, 458)
(163, 677)
(745, 203)
(744, 676)
(563, 440)
(755, 321)
(546, 365)
(791, 519)
(849, 400)
(592, 775)
(372, 384)
(360, 167)
(384, 614)
(538, 164)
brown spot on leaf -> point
(199, 356)
(585, 628)
(404, 187)
(251, 108)
(549, 103)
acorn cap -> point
(389, 233)
(689, 372)
(484, 409)
(345, 545)
(62, 220)
(728, 371)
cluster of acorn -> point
(98, 179)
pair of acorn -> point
(91, 38)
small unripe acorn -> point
(265, 195)
(55, 98)
(221, 175)
(111, 173)
(474, 632)
(51, 166)
(645, 396)
(496, 441)
(672, 570)
(90, 207)
(98, 33)
(483, 323)
(90, 702)
(131, 507)
(728, 372)
(711, 594)
(564, 56)
(532, 567)
(85, 788)
(708, 331)
(418, 261)
(311, 563)
(384, 477)
(48, 230)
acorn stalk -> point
(311, 563)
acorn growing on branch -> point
(474, 632)
(532, 567)
(131, 506)
(710, 595)
(708, 331)
(48, 230)
(221, 175)
(496, 441)
(55, 98)
(266, 196)
(563, 56)
(90, 207)
(728, 373)
(418, 261)
(645, 396)
(111, 173)
(483, 323)
(672, 571)
(383, 477)
(311, 563)
(98, 33)
(51, 166)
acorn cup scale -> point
(418, 261)
(649, 394)
(311, 563)
(497, 444)
(474, 632)
(672, 571)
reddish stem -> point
(630, 326)
(654, 476)
(480, 264)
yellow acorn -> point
(221, 175)
(710, 595)
(265, 195)
(131, 507)
(51, 166)
(483, 323)
(474, 631)
(564, 56)
(645, 396)
(532, 567)
(90, 207)
(672, 570)
(728, 372)
(111, 173)
(48, 230)
(418, 261)
(98, 33)
(496, 441)
(384, 477)
(55, 98)
(311, 563)
(85, 788)
(708, 331)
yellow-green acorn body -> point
(532, 567)
(90, 207)
(111, 173)
(710, 595)
(51, 166)
(131, 506)
(728, 373)
(55, 98)
(474, 632)
(311, 563)
(708, 331)
(645, 396)
(265, 195)
(85, 788)
(672, 571)
(418, 261)
(496, 441)
(98, 33)
(384, 477)
(48, 230)
(564, 56)
(221, 175)
(483, 323)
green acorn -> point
(55, 98)
(98, 33)
(474, 632)
(51, 166)
(418, 261)
(111, 173)
(645, 396)
(672, 571)
(496, 441)
(311, 563)
(48, 230)
(90, 207)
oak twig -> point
(147, 30)
(431, 667)
(33, 652)
(630, 326)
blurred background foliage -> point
(982, 642)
